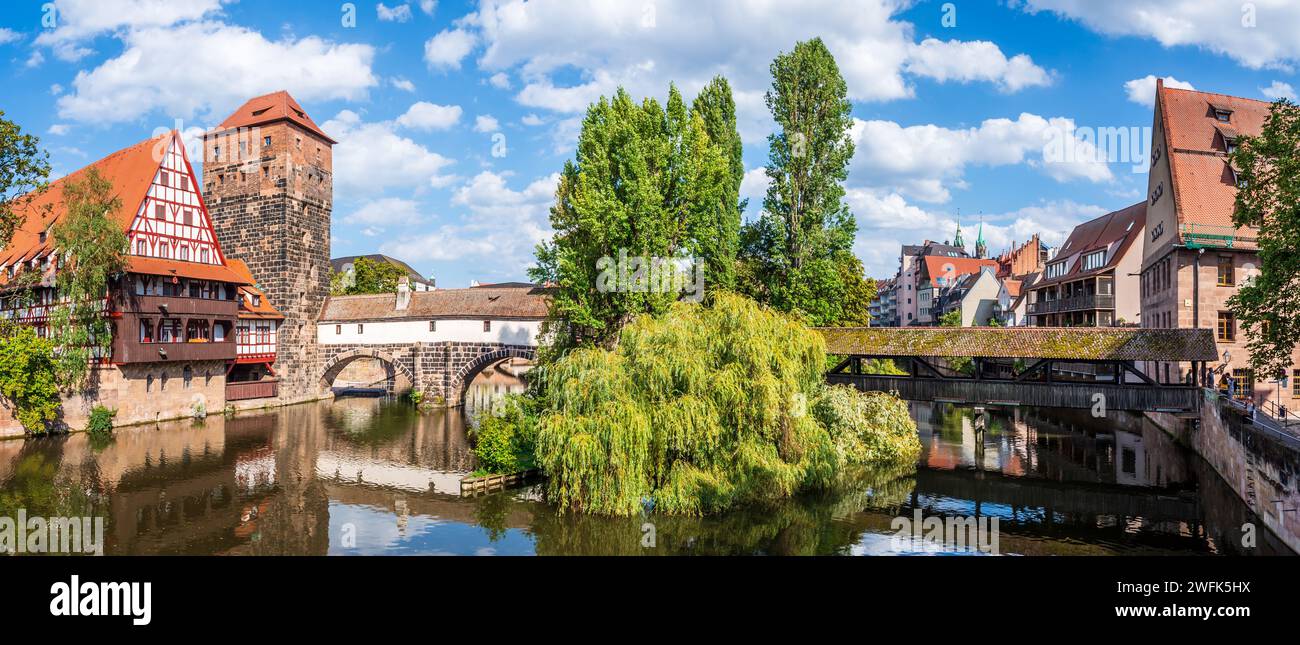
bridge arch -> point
(466, 373)
(398, 376)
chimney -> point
(403, 293)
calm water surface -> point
(366, 476)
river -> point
(359, 476)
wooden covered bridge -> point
(1024, 366)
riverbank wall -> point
(1260, 464)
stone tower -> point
(268, 183)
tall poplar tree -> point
(716, 106)
(798, 255)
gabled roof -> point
(269, 108)
(939, 266)
(477, 302)
(1012, 287)
(1204, 188)
(247, 309)
(129, 170)
(338, 265)
(1114, 233)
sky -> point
(454, 117)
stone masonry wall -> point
(272, 210)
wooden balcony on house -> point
(1076, 303)
(244, 390)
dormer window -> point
(44, 235)
(1094, 260)
(1223, 115)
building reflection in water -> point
(367, 476)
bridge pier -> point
(439, 371)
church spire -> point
(981, 249)
(957, 241)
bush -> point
(697, 411)
(100, 423)
(28, 378)
(505, 439)
(867, 427)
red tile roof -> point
(1113, 232)
(129, 170)
(182, 269)
(247, 309)
(269, 108)
(938, 266)
(1203, 186)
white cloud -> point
(1256, 34)
(209, 68)
(399, 13)
(754, 186)
(402, 84)
(386, 212)
(886, 221)
(927, 161)
(58, 129)
(502, 225)
(486, 123)
(500, 80)
(371, 157)
(430, 116)
(9, 36)
(531, 120)
(567, 53)
(81, 20)
(977, 60)
(1279, 90)
(428, 6)
(35, 59)
(447, 49)
(56, 89)
(1143, 90)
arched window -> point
(204, 256)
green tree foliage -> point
(699, 410)
(1269, 198)
(28, 378)
(506, 438)
(100, 423)
(90, 235)
(959, 364)
(24, 168)
(716, 106)
(368, 276)
(867, 427)
(648, 181)
(797, 255)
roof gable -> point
(269, 108)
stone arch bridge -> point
(440, 370)
(434, 342)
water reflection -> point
(368, 476)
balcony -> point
(129, 350)
(244, 390)
(175, 306)
(1077, 303)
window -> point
(266, 141)
(188, 375)
(266, 172)
(162, 177)
(338, 329)
(1227, 271)
(185, 254)
(141, 247)
(1243, 381)
(146, 331)
(361, 329)
(487, 325)
(1295, 384)
(1094, 260)
(1227, 326)
(1222, 114)
(1056, 269)
(159, 211)
(169, 330)
(204, 256)
(216, 153)
(197, 330)
(433, 325)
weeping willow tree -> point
(96, 247)
(702, 409)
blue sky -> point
(454, 117)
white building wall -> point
(510, 332)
